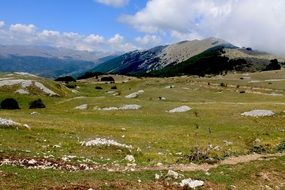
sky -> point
(125, 25)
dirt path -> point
(40, 163)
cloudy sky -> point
(124, 25)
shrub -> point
(114, 87)
(10, 103)
(98, 88)
(274, 65)
(223, 84)
(71, 85)
(90, 75)
(37, 104)
(107, 79)
(281, 146)
(66, 79)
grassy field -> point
(214, 127)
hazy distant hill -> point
(48, 61)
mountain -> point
(48, 61)
(197, 57)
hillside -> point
(25, 84)
(110, 136)
(48, 61)
(189, 57)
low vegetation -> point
(100, 137)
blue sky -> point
(81, 16)
(125, 25)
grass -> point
(162, 137)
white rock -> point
(258, 113)
(124, 107)
(180, 109)
(25, 74)
(45, 89)
(32, 161)
(81, 107)
(27, 83)
(172, 174)
(130, 158)
(170, 86)
(106, 142)
(159, 164)
(162, 98)
(135, 94)
(22, 91)
(156, 176)
(130, 107)
(34, 113)
(191, 183)
(109, 109)
(26, 126)
(8, 122)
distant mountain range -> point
(198, 57)
(49, 61)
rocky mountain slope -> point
(208, 56)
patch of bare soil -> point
(118, 185)
(42, 163)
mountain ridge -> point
(150, 61)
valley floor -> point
(130, 134)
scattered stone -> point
(109, 109)
(27, 83)
(111, 92)
(159, 164)
(228, 143)
(11, 123)
(124, 107)
(8, 122)
(172, 174)
(161, 98)
(81, 107)
(32, 162)
(258, 113)
(130, 107)
(180, 109)
(34, 113)
(156, 176)
(130, 158)
(105, 142)
(170, 86)
(22, 91)
(135, 94)
(25, 74)
(191, 183)
(26, 126)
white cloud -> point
(114, 3)
(117, 43)
(2, 23)
(20, 34)
(92, 38)
(256, 23)
(148, 40)
(49, 33)
(23, 28)
(117, 39)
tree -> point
(10, 104)
(273, 65)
